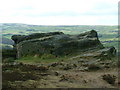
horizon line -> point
(64, 24)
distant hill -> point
(7, 41)
(108, 35)
(6, 47)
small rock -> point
(94, 67)
(109, 78)
(56, 73)
(54, 64)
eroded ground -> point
(82, 71)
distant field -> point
(108, 35)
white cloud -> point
(62, 20)
(59, 12)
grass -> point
(46, 58)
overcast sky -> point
(59, 12)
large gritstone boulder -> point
(56, 43)
(19, 38)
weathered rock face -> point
(56, 43)
(107, 52)
(102, 54)
(20, 38)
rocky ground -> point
(82, 71)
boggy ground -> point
(82, 71)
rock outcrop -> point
(20, 38)
(56, 43)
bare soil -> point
(33, 76)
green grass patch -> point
(46, 58)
